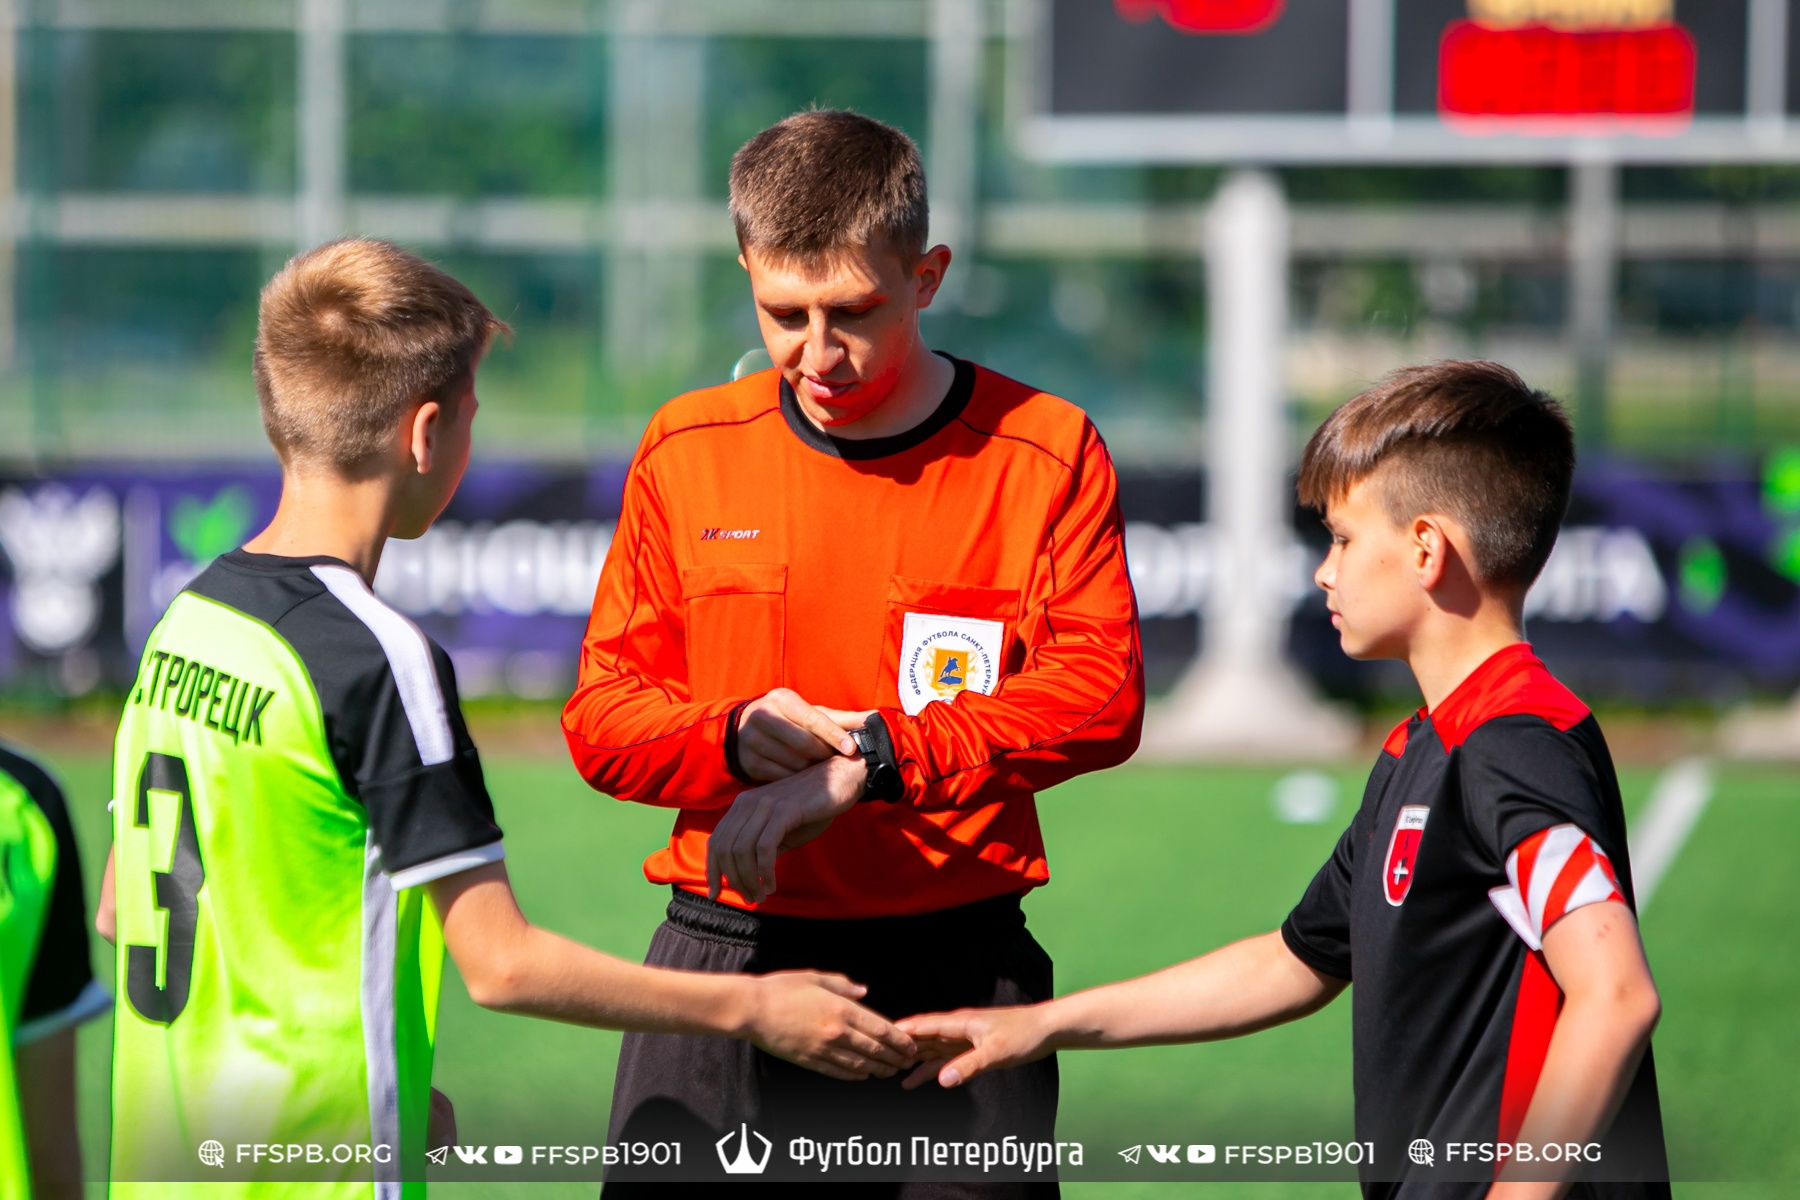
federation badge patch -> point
(942, 657)
(1403, 852)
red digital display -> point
(1537, 72)
(1206, 16)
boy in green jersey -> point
(47, 984)
(293, 780)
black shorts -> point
(700, 1090)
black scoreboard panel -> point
(1103, 62)
(1411, 80)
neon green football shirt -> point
(46, 982)
(291, 765)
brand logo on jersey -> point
(728, 535)
(943, 657)
(1403, 852)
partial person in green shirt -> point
(293, 779)
(47, 984)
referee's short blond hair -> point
(826, 181)
(349, 337)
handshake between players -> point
(871, 519)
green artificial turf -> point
(1150, 865)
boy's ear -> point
(424, 435)
(1431, 550)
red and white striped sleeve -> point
(1553, 872)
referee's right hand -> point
(812, 1019)
(781, 734)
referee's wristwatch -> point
(877, 749)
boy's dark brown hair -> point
(825, 181)
(349, 336)
(1467, 439)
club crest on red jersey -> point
(1403, 852)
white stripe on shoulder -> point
(409, 657)
(450, 864)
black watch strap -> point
(731, 746)
(877, 748)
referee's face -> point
(842, 330)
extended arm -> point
(1609, 1008)
(1239, 989)
(510, 965)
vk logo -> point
(1164, 1154)
(472, 1154)
(743, 1164)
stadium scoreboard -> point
(1346, 81)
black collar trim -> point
(250, 560)
(962, 388)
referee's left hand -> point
(765, 821)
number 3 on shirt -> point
(177, 892)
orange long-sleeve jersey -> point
(967, 578)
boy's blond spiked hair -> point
(350, 336)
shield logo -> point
(949, 670)
(1403, 853)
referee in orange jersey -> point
(859, 609)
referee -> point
(859, 609)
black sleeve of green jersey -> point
(433, 819)
(1318, 930)
(396, 731)
(62, 990)
(1522, 775)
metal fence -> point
(159, 159)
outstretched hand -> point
(812, 1019)
(764, 822)
(955, 1047)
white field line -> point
(1676, 801)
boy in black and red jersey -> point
(1481, 899)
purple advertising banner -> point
(1661, 589)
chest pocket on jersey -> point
(736, 628)
(943, 639)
